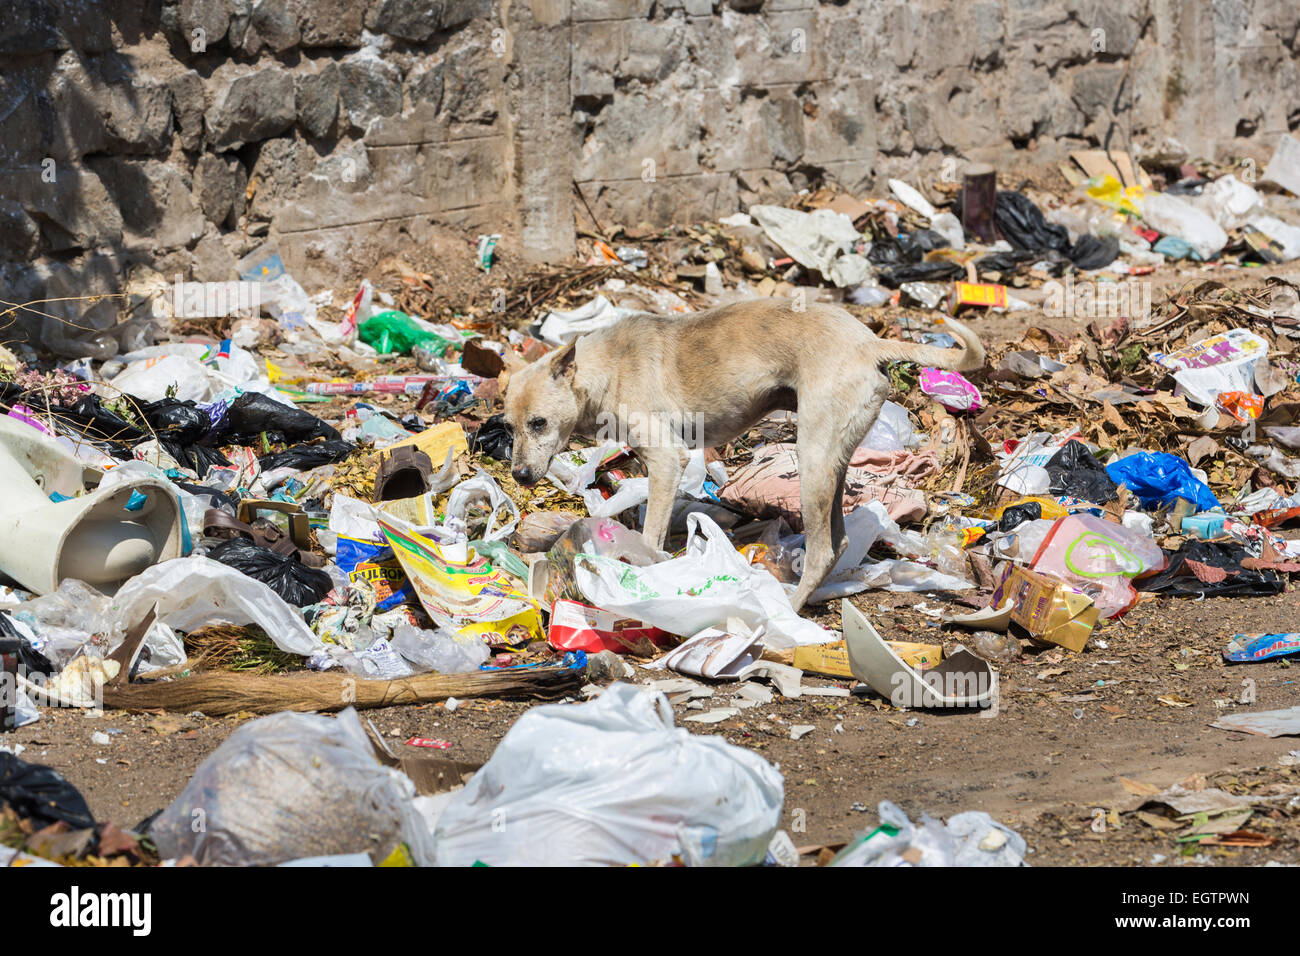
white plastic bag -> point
(812, 239)
(559, 328)
(483, 486)
(194, 591)
(892, 430)
(612, 782)
(1228, 201)
(1177, 217)
(288, 786)
(709, 583)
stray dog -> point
(723, 369)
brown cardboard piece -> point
(429, 772)
(1094, 162)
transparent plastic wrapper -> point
(603, 537)
(168, 376)
(1022, 543)
(1175, 216)
(441, 650)
(969, 839)
(892, 430)
(559, 328)
(779, 552)
(898, 842)
(1228, 201)
(812, 239)
(1099, 558)
(612, 782)
(539, 530)
(709, 583)
(293, 785)
(74, 607)
(504, 515)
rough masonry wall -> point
(183, 133)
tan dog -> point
(675, 383)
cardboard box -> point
(979, 295)
(435, 442)
(1048, 609)
(832, 660)
(577, 626)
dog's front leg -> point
(665, 465)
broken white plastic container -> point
(100, 536)
(962, 680)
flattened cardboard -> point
(832, 660)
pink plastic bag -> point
(951, 390)
(1099, 558)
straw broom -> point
(219, 693)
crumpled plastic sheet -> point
(194, 591)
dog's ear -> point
(564, 364)
(512, 360)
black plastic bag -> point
(1022, 224)
(1180, 580)
(906, 247)
(41, 795)
(183, 429)
(1074, 471)
(33, 661)
(1002, 265)
(938, 271)
(180, 421)
(494, 439)
(1094, 252)
(308, 456)
(1013, 517)
(295, 582)
(253, 414)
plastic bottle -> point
(429, 357)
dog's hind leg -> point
(821, 473)
(665, 465)
(825, 446)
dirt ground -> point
(1043, 765)
(1136, 704)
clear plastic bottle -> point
(429, 359)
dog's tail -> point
(965, 359)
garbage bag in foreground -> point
(289, 786)
(612, 782)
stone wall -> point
(183, 133)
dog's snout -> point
(524, 475)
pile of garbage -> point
(236, 522)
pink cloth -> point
(768, 487)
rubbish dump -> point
(312, 505)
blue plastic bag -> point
(1158, 478)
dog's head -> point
(542, 408)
